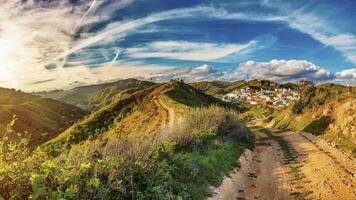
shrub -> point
(16, 163)
(200, 125)
(298, 107)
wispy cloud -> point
(308, 22)
(185, 50)
(115, 29)
(321, 29)
(33, 32)
(324, 33)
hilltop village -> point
(273, 96)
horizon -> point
(162, 82)
(94, 42)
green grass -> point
(184, 97)
(212, 165)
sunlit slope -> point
(330, 113)
(43, 118)
(140, 113)
(95, 96)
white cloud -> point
(282, 70)
(347, 74)
(185, 50)
(188, 74)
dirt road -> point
(289, 165)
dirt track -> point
(313, 169)
(171, 113)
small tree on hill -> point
(306, 91)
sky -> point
(60, 44)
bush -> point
(16, 163)
(298, 107)
(200, 125)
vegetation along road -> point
(290, 165)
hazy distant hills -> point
(44, 118)
(93, 96)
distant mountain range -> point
(43, 118)
(93, 96)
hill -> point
(329, 112)
(92, 97)
(143, 112)
(43, 118)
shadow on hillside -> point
(318, 126)
(186, 98)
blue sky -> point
(75, 42)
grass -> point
(185, 97)
(213, 165)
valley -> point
(133, 139)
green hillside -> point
(141, 112)
(169, 141)
(329, 112)
(43, 118)
(94, 96)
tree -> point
(306, 90)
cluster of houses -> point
(278, 96)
